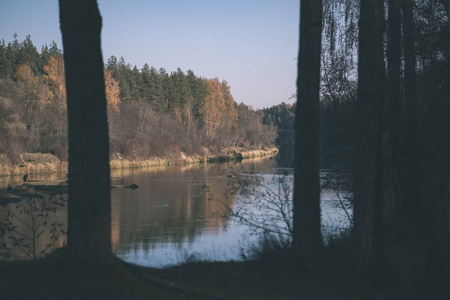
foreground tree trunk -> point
(307, 238)
(89, 209)
(391, 136)
(411, 169)
(439, 266)
(368, 254)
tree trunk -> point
(368, 255)
(391, 136)
(439, 267)
(411, 169)
(307, 238)
(89, 208)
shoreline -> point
(44, 163)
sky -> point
(252, 44)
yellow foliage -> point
(177, 113)
(25, 75)
(213, 107)
(112, 91)
(55, 77)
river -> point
(177, 213)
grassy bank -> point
(31, 163)
(227, 155)
(38, 163)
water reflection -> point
(178, 211)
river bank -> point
(39, 163)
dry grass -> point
(226, 155)
(38, 163)
(31, 163)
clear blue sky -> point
(250, 43)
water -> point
(178, 213)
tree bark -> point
(368, 254)
(89, 208)
(439, 266)
(307, 238)
(411, 168)
(391, 136)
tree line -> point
(150, 112)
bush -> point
(268, 246)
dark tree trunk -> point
(391, 136)
(439, 268)
(89, 209)
(368, 255)
(307, 238)
(411, 169)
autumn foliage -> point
(112, 91)
(55, 77)
(151, 112)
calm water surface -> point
(178, 213)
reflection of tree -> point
(175, 211)
(31, 229)
(266, 203)
(174, 205)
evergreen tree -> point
(198, 91)
(4, 63)
(167, 87)
(11, 60)
(179, 90)
(152, 87)
(123, 76)
(136, 84)
(29, 55)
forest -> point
(372, 105)
(373, 102)
(151, 113)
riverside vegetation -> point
(37, 163)
(154, 117)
